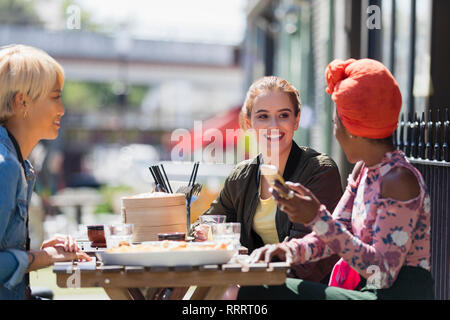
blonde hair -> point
(268, 84)
(26, 70)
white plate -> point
(167, 258)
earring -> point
(25, 115)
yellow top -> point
(264, 220)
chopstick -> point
(165, 175)
(192, 174)
(153, 174)
(195, 174)
(158, 178)
(161, 179)
(157, 184)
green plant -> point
(109, 193)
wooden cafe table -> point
(208, 282)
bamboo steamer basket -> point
(153, 213)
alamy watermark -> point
(74, 281)
(214, 145)
(376, 280)
(374, 19)
(73, 17)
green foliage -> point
(86, 96)
(104, 208)
(109, 193)
(19, 12)
(136, 94)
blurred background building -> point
(297, 39)
(129, 85)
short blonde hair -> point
(268, 84)
(26, 70)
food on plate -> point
(167, 245)
(124, 243)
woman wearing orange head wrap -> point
(367, 97)
(381, 226)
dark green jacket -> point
(239, 198)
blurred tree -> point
(22, 12)
(85, 96)
(136, 94)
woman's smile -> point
(57, 123)
(274, 136)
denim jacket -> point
(16, 188)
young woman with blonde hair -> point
(30, 110)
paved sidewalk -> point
(46, 278)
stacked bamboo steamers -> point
(153, 213)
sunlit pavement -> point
(46, 278)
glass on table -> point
(227, 232)
(81, 234)
(209, 220)
(212, 219)
(118, 233)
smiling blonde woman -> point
(30, 111)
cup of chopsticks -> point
(191, 191)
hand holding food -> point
(303, 206)
(270, 173)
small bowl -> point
(173, 236)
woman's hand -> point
(68, 243)
(201, 232)
(38, 259)
(58, 253)
(302, 207)
(282, 251)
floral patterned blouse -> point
(370, 233)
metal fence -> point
(426, 145)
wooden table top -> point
(108, 276)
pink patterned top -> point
(373, 235)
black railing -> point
(425, 143)
(411, 135)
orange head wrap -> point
(367, 97)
